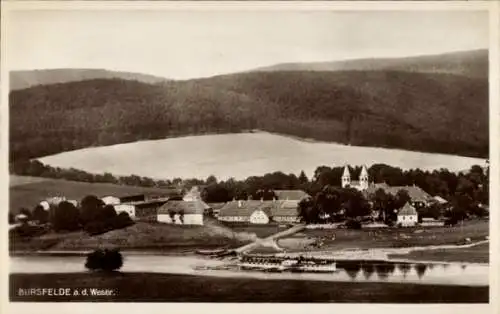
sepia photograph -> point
(230, 155)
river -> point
(358, 271)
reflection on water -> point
(357, 270)
(420, 269)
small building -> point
(407, 216)
(286, 211)
(182, 212)
(431, 222)
(127, 208)
(238, 211)
(110, 200)
(133, 198)
(148, 210)
(260, 212)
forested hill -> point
(472, 64)
(30, 78)
(415, 111)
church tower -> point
(363, 178)
(346, 177)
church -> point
(360, 185)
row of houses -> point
(191, 209)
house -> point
(127, 208)
(431, 222)
(133, 198)
(407, 216)
(286, 211)
(418, 197)
(148, 210)
(293, 195)
(110, 200)
(238, 211)
(260, 212)
(182, 212)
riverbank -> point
(148, 287)
(479, 253)
(142, 236)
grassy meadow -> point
(27, 192)
(338, 239)
(247, 154)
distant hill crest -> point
(28, 78)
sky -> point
(190, 44)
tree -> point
(303, 178)
(92, 209)
(308, 211)
(211, 180)
(181, 216)
(385, 204)
(40, 214)
(105, 260)
(108, 212)
(171, 213)
(354, 203)
(66, 217)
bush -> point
(26, 231)
(123, 220)
(105, 260)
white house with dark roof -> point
(260, 212)
(182, 212)
(407, 216)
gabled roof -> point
(290, 194)
(416, 193)
(287, 208)
(407, 210)
(239, 208)
(271, 208)
(216, 205)
(188, 207)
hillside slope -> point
(473, 64)
(28, 78)
(416, 111)
(34, 190)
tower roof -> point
(364, 172)
(346, 172)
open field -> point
(476, 254)
(386, 238)
(29, 191)
(143, 287)
(141, 236)
(247, 154)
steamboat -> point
(283, 263)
